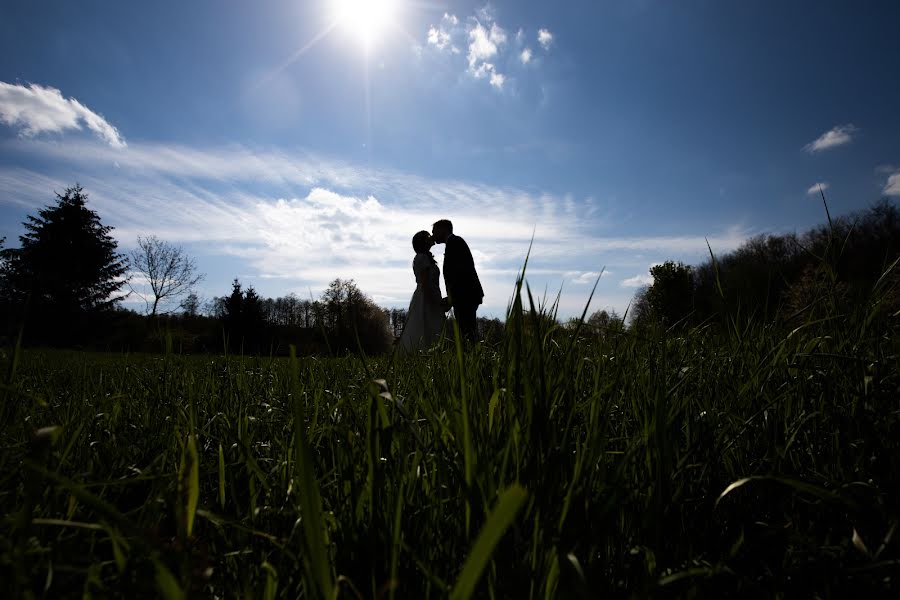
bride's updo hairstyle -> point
(421, 242)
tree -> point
(349, 313)
(168, 270)
(672, 294)
(191, 305)
(68, 262)
(603, 323)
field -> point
(734, 458)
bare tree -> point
(168, 270)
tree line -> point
(785, 279)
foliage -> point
(760, 461)
(777, 277)
(671, 296)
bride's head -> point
(422, 242)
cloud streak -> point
(35, 109)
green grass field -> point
(551, 465)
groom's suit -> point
(463, 285)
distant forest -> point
(64, 285)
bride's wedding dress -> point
(425, 318)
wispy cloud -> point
(892, 187)
(834, 137)
(35, 109)
(297, 220)
(525, 56)
(545, 38)
(817, 188)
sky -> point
(289, 143)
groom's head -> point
(441, 230)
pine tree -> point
(68, 261)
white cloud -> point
(815, 188)
(637, 281)
(545, 38)
(439, 38)
(836, 136)
(483, 45)
(442, 36)
(892, 187)
(37, 109)
(489, 52)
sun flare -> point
(365, 20)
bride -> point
(425, 318)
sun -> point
(365, 20)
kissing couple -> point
(426, 315)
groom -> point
(460, 278)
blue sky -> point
(288, 143)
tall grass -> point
(740, 458)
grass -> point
(743, 459)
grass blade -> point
(498, 521)
(316, 555)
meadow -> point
(734, 457)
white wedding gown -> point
(425, 318)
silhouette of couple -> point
(426, 316)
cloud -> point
(637, 281)
(545, 38)
(836, 136)
(441, 36)
(892, 187)
(584, 278)
(816, 188)
(483, 43)
(36, 109)
(489, 53)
